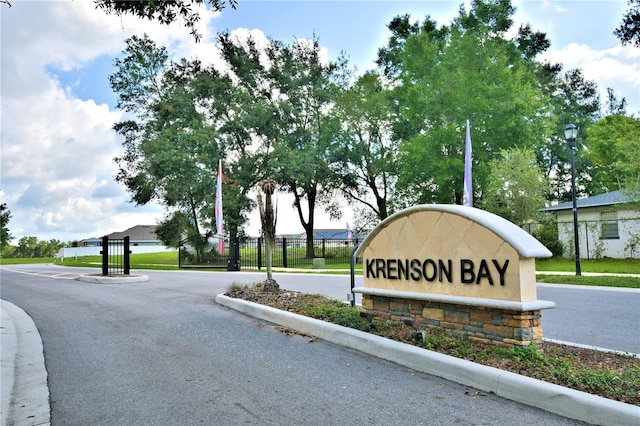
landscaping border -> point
(537, 393)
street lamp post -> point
(570, 134)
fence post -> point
(127, 254)
(105, 255)
(324, 240)
(284, 252)
(233, 262)
(259, 253)
(236, 252)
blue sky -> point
(57, 108)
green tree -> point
(187, 117)
(291, 93)
(614, 143)
(302, 153)
(26, 247)
(170, 229)
(515, 188)
(47, 248)
(230, 111)
(444, 76)
(629, 30)
(5, 235)
(366, 154)
(169, 155)
(547, 234)
(165, 11)
(614, 104)
(573, 99)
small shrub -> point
(342, 315)
(632, 246)
(547, 234)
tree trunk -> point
(310, 252)
(268, 258)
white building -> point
(608, 226)
(142, 239)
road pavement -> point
(162, 352)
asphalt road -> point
(163, 353)
(594, 316)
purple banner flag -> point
(219, 220)
(467, 196)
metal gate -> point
(115, 256)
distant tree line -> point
(29, 247)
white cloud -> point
(54, 145)
(57, 150)
(617, 67)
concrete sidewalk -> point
(24, 390)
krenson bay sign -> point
(432, 270)
(450, 265)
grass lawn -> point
(25, 260)
(617, 266)
(166, 260)
(599, 281)
(169, 261)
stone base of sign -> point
(503, 326)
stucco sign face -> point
(451, 250)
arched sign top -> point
(451, 250)
(526, 245)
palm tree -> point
(268, 220)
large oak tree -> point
(175, 138)
(446, 75)
(366, 157)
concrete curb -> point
(553, 398)
(25, 390)
(100, 279)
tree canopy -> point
(366, 155)
(289, 91)
(170, 149)
(614, 149)
(389, 138)
(444, 76)
(5, 235)
(165, 11)
(629, 30)
(515, 186)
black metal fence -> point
(202, 252)
(115, 256)
(249, 253)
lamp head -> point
(571, 132)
